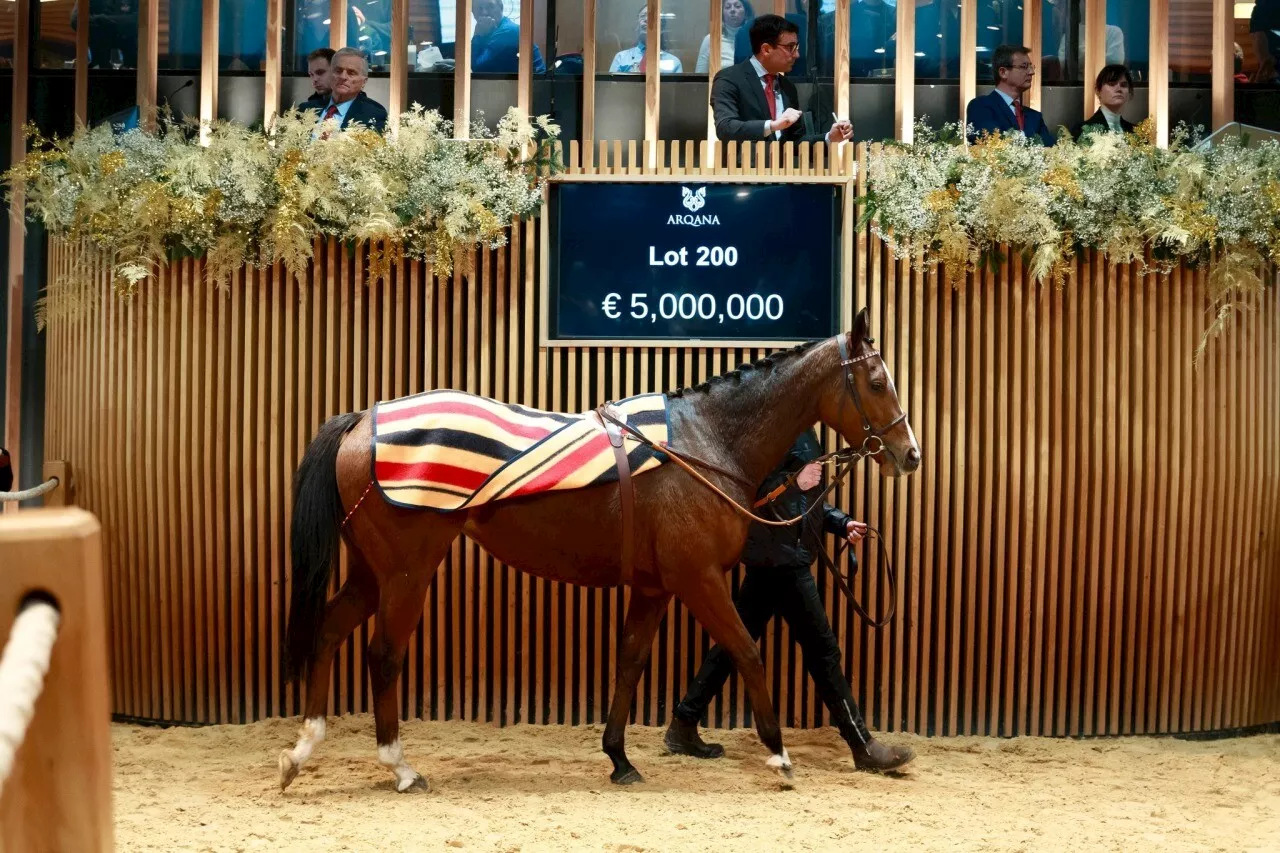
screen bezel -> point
(842, 258)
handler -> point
(778, 581)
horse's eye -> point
(878, 387)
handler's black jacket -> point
(798, 545)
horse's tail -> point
(314, 537)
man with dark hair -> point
(495, 41)
(1113, 89)
(1002, 109)
(347, 101)
(779, 582)
(753, 100)
(318, 70)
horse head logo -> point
(694, 201)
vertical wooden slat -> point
(652, 77)
(969, 54)
(715, 34)
(17, 229)
(524, 80)
(1032, 38)
(841, 70)
(1223, 80)
(338, 24)
(588, 74)
(1158, 70)
(462, 72)
(904, 97)
(1095, 49)
(82, 69)
(399, 99)
(208, 67)
(148, 54)
(274, 64)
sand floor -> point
(531, 788)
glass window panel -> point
(179, 34)
(937, 40)
(873, 28)
(58, 21)
(1259, 55)
(1129, 36)
(1063, 45)
(495, 38)
(431, 33)
(999, 22)
(735, 18)
(242, 35)
(369, 30)
(622, 34)
(1191, 41)
(310, 32)
(570, 38)
(8, 24)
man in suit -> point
(495, 41)
(347, 101)
(1002, 109)
(1112, 89)
(318, 70)
(754, 101)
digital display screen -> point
(694, 261)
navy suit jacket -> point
(990, 114)
(363, 109)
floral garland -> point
(941, 201)
(253, 198)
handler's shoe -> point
(877, 757)
(682, 739)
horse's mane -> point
(742, 371)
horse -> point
(685, 539)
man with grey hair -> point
(348, 72)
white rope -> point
(34, 492)
(22, 670)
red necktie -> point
(769, 96)
(1017, 112)
(328, 114)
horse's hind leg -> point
(407, 569)
(643, 617)
(353, 604)
(706, 595)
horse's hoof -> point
(626, 776)
(288, 769)
(417, 783)
(782, 763)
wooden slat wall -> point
(1088, 548)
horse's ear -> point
(860, 327)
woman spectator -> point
(733, 15)
(1114, 88)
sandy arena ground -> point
(533, 788)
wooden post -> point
(208, 68)
(653, 78)
(17, 232)
(82, 66)
(59, 794)
(274, 62)
(588, 76)
(1033, 39)
(969, 56)
(1158, 71)
(1095, 50)
(716, 30)
(462, 72)
(904, 98)
(1224, 90)
(399, 99)
(60, 496)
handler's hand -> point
(789, 117)
(809, 477)
(856, 530)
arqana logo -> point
(694, 201)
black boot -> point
(682, 739)
(876, 757)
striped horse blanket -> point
(447, 450)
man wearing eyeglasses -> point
(754, 101)
(1003, 109)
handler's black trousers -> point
(791, 593)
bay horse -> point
(685, 537)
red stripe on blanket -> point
(549, 478)
(435, 472)
(455, 407)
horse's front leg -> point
(706, 594)
(643, 617)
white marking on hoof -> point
(291, 761)
(392, 755)
(782, 764)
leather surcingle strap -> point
(626, 489)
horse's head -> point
(862, 405)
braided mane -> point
(744, 371)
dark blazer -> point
(737, 100)
(990, 114)
(784, 547)
(364, 109)
(1097, 123)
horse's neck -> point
(754, 422)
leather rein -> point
(872, 445)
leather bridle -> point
(851, 386)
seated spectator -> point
(347, 101)
(318, 70)
(741, 113)
(495, 41)
(1002, 109)
(1264, 30)
(1113, 89)
(733, 14)
(1062, 22)
(113, 32)
(633, 59)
